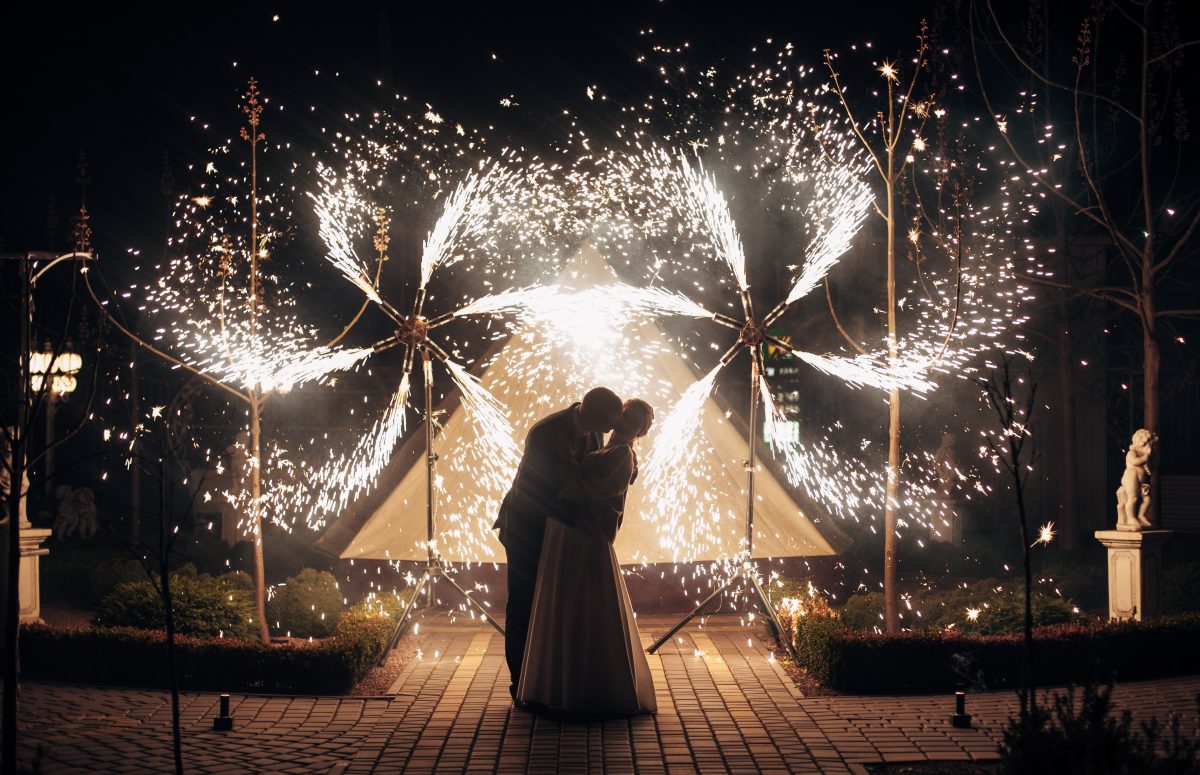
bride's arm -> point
(602, 474)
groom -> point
(553, 449)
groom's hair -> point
(602, 404)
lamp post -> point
(61, 372)
(23, 541)
(17, 550)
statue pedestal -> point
(1134, 569)
(30, 587)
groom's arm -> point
(559, 467)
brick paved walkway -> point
(724, 706)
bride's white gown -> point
(584, 654)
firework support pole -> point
(750, 574)
(433, 565)
(747, 571)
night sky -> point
(120, 84)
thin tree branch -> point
(833, 313)
(1187, 235)
(1032, 71)
(1174, 50)
(837, 89)
(146, 345)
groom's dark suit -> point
(553, 449)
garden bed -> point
(132, 657)
(859, 662)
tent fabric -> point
(544, 366)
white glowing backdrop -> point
(596, 344)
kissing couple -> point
(570, 638)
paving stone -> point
(725, 705)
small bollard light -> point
(961, 719)
(223, 722)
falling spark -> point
(1046, 534)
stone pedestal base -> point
(1134, 569)
(30, 588)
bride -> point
(584, 655)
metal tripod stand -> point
(752, 334)
(434, 570)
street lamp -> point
(58, 375)
(23, 550)
(62, 370)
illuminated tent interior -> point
(542, 368)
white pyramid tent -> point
(542, 368)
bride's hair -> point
(636, 418)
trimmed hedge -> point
(133, 657)
(912, 662)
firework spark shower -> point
(661, 200)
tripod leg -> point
(769, 610)
(426, 578)
(695, 612)
(473, 602)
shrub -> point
(1181, 589)
(866, 662)
(362, 635)
(135, 657)
(204, 606)
(306, 605)
(1083, 581)
(1069, 737)
(239, 580)
(389, 604)
(797, 604)
(1000, 607)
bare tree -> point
(246, 309)
(1006, 448)
(1122, 166)
(151, 451)
(893, 136)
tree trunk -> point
(1028, 691)
(1146, 306)
(12, 604)
(1151, 363)
(890, 591)
(1068, 515)
(1150, 369)
(12, 592)
(164, 569)
(891, 594)
(256, 523)
(135, 473)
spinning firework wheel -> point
(752, 334)
(469, 211)
(414, 334)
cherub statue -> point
(76, 512)
(6, 481)
(1134, 498)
